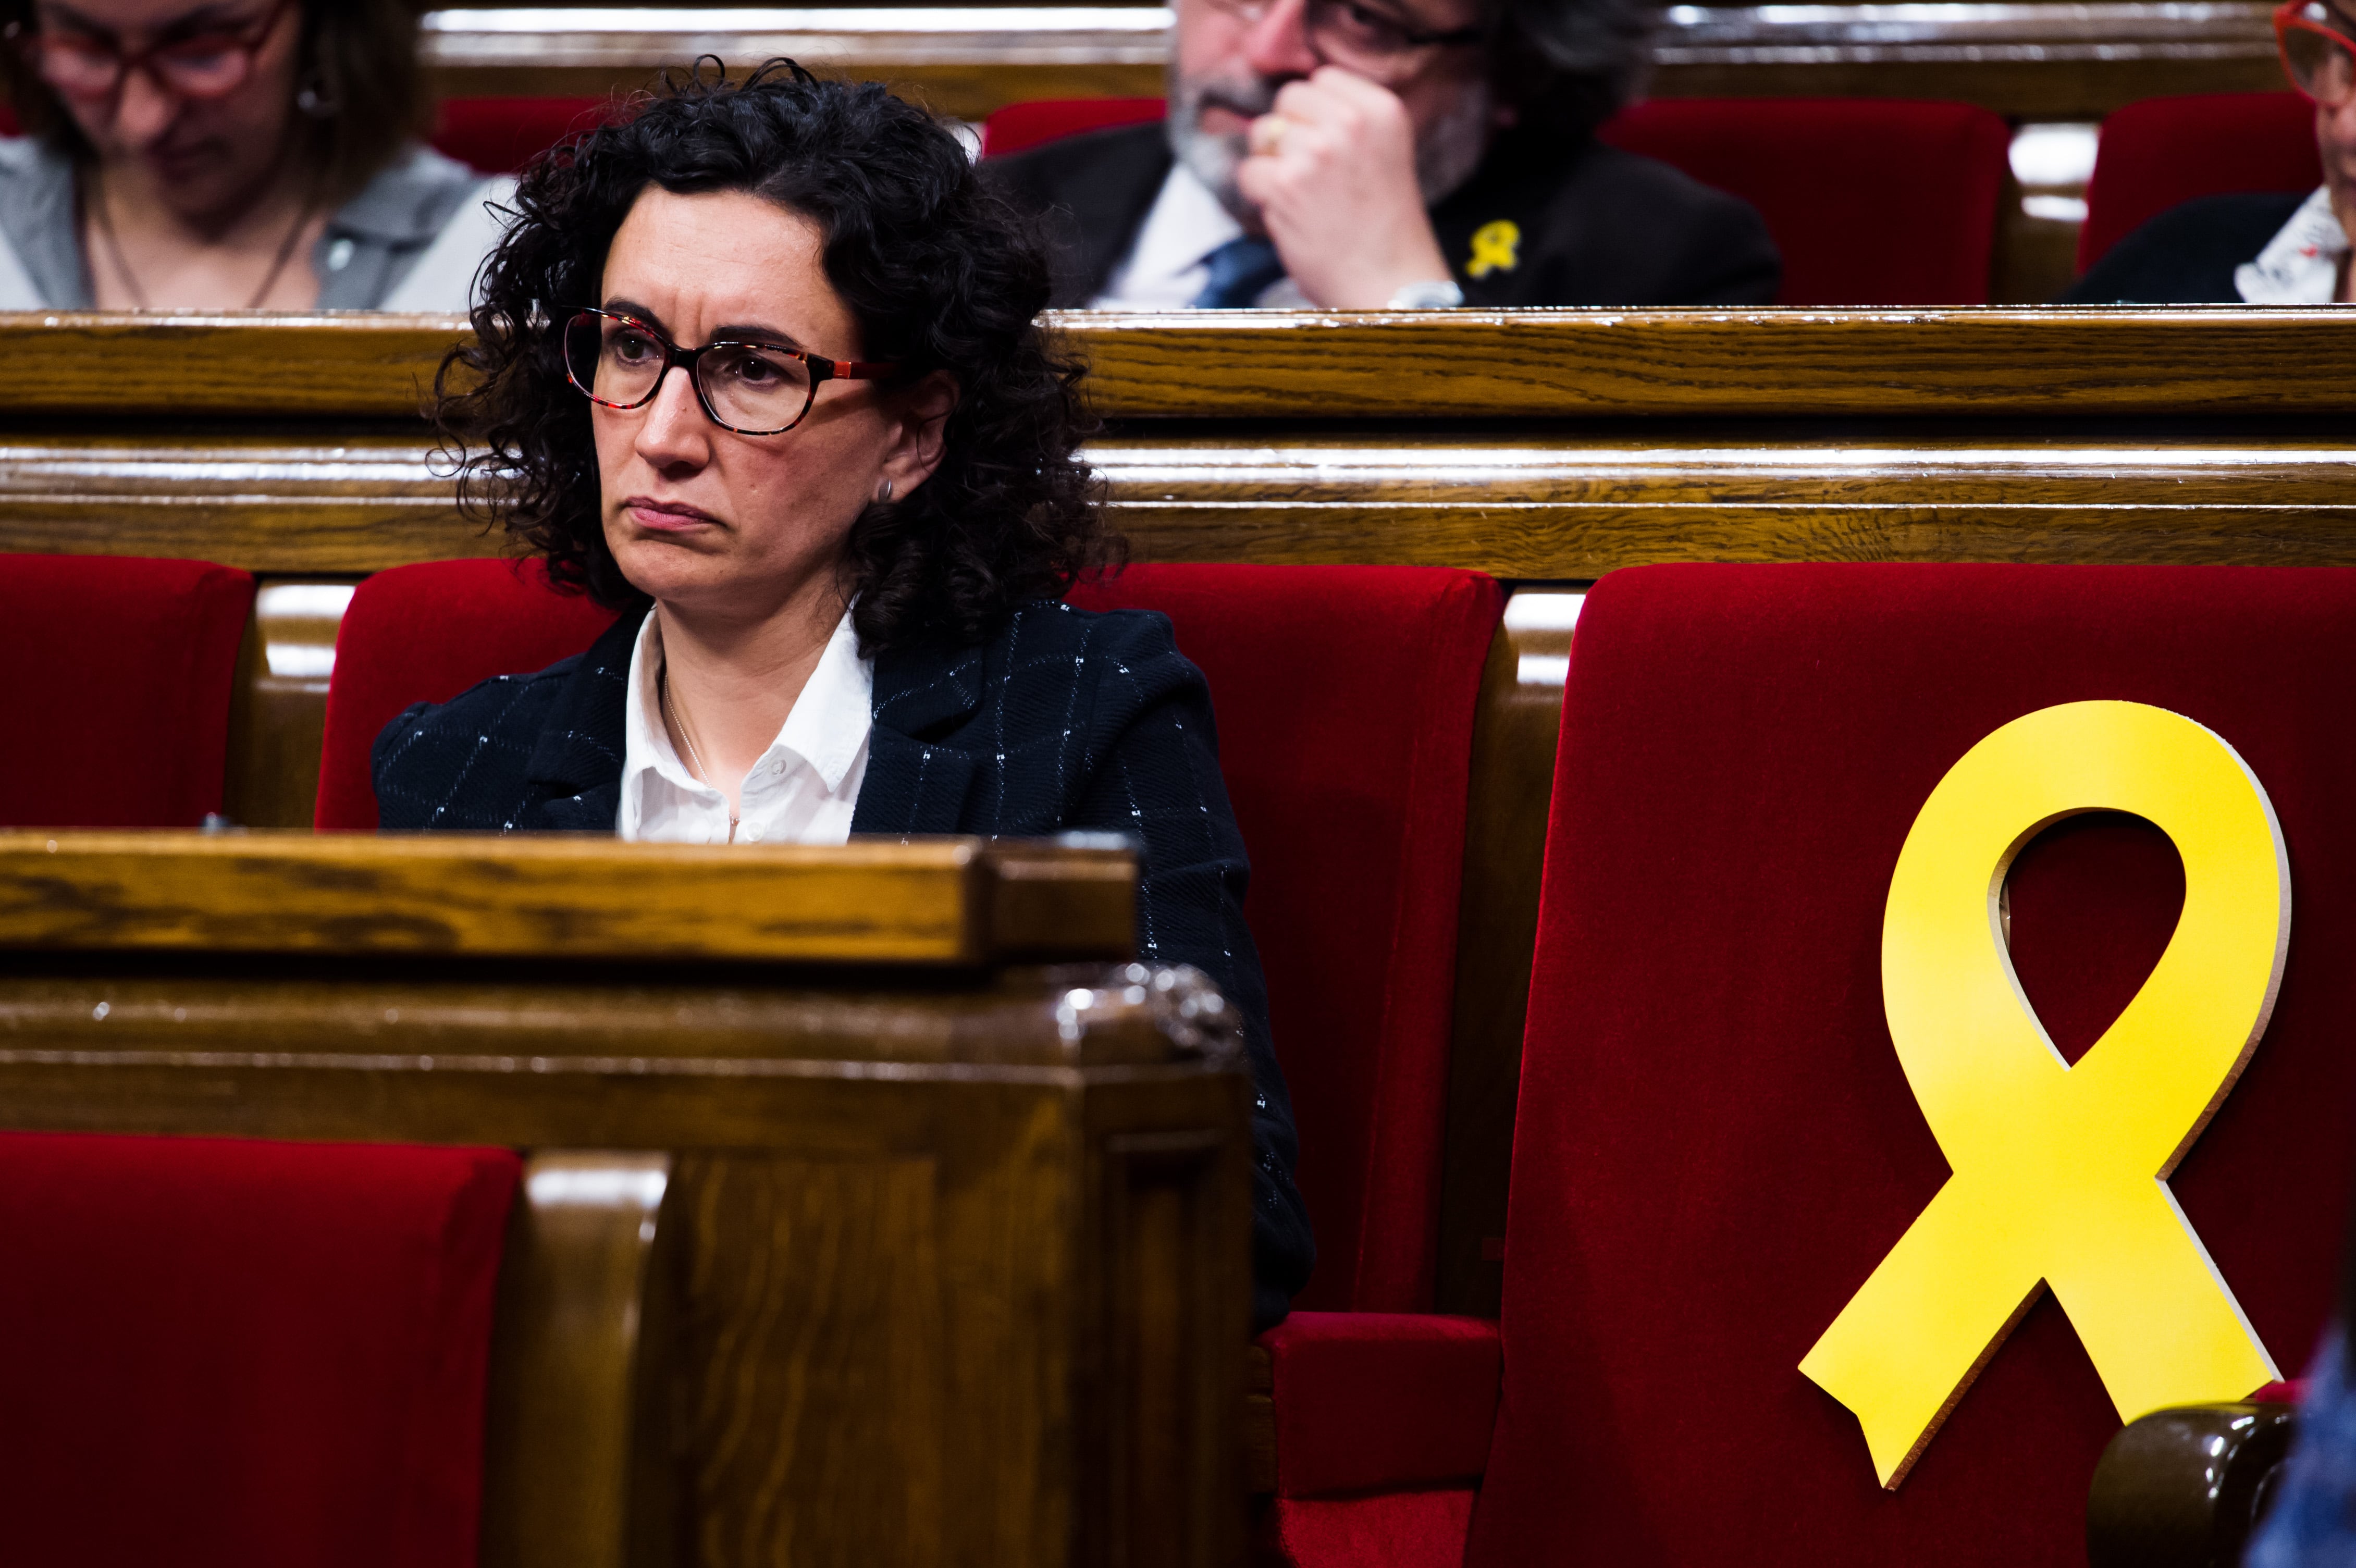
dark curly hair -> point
(939, 274)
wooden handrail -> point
(1313, 365)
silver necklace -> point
(670, 713)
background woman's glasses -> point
(753, 389)
(211, 59)
(2318, 53)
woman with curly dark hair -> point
(758, 367)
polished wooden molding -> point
(361, 365)
(946, 901)
(573, 1449)
(957, 60)
(2018, 58)
(2185, 1487)
(2080, 362)
(1553, 503)
(1573, 363)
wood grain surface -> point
(1466, 364)
(1557, 501)
(1269, 364)
(542, 896)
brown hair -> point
(358, 56)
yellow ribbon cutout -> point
(1495, 248)
(2060, 1172)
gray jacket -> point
(411, 239)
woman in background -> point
(229, 154)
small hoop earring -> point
(315, 101)
(885, 498)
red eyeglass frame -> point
(822, 369)
(2289, 18)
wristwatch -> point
(1441, 294)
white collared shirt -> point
(2301, 265)
(1168, 263)
(802, 790)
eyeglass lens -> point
(1360, 38)
(748, 387)
(206, 65)
(2323, 67)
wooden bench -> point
(877, 1209)
(2032, 61)
(1546, 448)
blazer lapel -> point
(576, 763)
(914, 783)
(1108, 198)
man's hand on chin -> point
(1332, 169)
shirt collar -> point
(826, 728)
(2301, 265)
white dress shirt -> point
(1168, 265)
(802, 790)
(2301, 265)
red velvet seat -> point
(1021, 126)
(242, 1353)
(118, 711)
(500, 135)
(1872, 201)
(424, 634)
(2163, 151)
(1716, 1144)
(1346, 697)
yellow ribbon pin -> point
(2060, 1172)
(1495, 249)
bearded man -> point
(1390, 154)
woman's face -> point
(705, 518)
(203, 156)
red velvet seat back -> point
(2163, 151)
(1346, 697)
(424, 634)
(1021, 126)
(117, 707)
(245, 1354)
(1872, 201)
(500, 135)
(1716, 1144)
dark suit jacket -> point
(2187, 254)
(1598, 226)
(1063, 721)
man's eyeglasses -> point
(753, 389)
(202, 60)
(2319, 54)
(1365, 39)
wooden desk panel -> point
(908, 1211)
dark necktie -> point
(1240, 269)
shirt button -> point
(751, 834)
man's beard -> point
(1445, 155)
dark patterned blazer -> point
(1063, 721)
